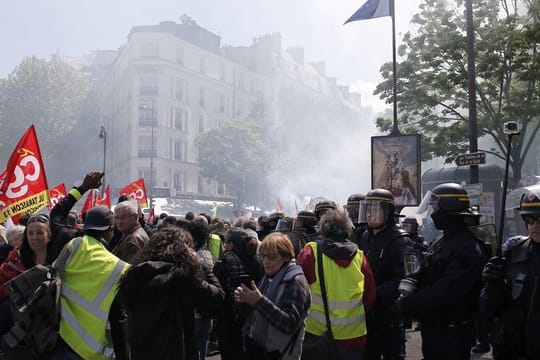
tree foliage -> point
(237, 155)
(432, 78)
(46, 93)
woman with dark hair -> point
(35, 249)
(160, 292)
(238, 265)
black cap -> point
(99, 218)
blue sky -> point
(353, 53)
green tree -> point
(432, 78)
(46, 93)
(236, 154)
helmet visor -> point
(427, 204)
(372, 212)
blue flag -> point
(371, 9)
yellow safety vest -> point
(344, 290)
(89, 284)
(214, 246)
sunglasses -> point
(531, 219)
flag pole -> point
(395, 130)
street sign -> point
(475, 193)
(477, 158)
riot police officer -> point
(410, 225)
(353, 205)
(449, 285)
(384, 244)
(512, 290)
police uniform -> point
(512, 291)
(449, 285)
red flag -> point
(137, 191)
(279, 206)
(104, 200)
(151, 216)
(90, 201)
(56, 194)
(23, 186)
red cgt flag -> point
(104, 200)
(23, 185)
(137, 191)
(90, 201)
(56, 194)
(151, 216)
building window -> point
(148, 115)
(146, 148)
(180, 119)
(145, 174)
(150, 49)
(178, 182)
(222, 72)
(202, 65)
(201, 96)
(179, 55)
(179, 150)
(149, 85)
(221, 104)
(201, 124)
(200, 184)
(179, 89)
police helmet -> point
(323, 206)
(305, 219)
(451, 198)
(410, 224)
(530, 202)
(377, 201)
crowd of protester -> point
(252, 288)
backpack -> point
(35, 307)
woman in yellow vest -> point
(349, 283)
(89, 285)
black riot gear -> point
(323, 206)
(448, 204)
(353, 206)
(378, 206)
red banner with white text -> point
(23, 185)
(136, 191)
(56, 194)
(105, 199)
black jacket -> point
(385, 251)
(449, 286)
(515, 303)
(160, 299)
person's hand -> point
(92, 180)
(243, 294)
(494, 270)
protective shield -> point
(513, 198)
(427, 204)
(372, 212)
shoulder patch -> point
(513, 242)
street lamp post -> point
(103, 136)
(151, 190)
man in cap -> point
(89, 284)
